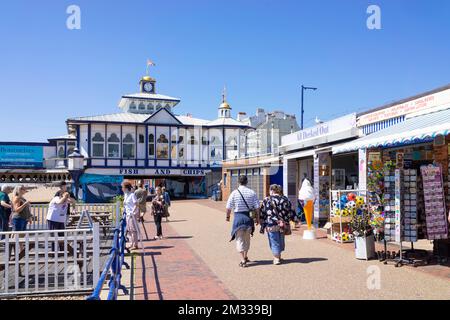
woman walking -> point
(21, 210)
(166, 203)
(131, 208)
(276, 214)
(158, 211)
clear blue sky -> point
(262, 50)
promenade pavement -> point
(197, 261)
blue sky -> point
(262, 50)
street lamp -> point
(75, 167)
(303, 110)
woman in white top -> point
(130, 205)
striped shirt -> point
(236, 202)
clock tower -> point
(147, 84)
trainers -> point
(276, 261)
(155, 238)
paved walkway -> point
(170, 270)
(196, 261)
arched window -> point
(113, 146)
(151, 145)
(192, 140)
(141, 106)
(162, 147)
(98, 145)
(132, 106)
(150, 107)
(128, 146)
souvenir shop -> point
(308, 154)
(405, 171)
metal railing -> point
(49, 261)
(113, 266)
(39, 212)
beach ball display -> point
(351, 197)
(351, 205)
(359, 201)
(345, 236)
(344, 199)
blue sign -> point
(21, 156)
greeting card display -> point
(435, 208)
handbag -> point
(251, 212)
(285, 228)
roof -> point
(413, 130)
(65, 137)
(151, 96)
(227, 122)
(128, 117)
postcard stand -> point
(395, 222)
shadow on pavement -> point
(158, 247)
(179, 237)
(172, 221)
(286, 261)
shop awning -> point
(413, 130)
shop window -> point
(98, 145)
(151, 145)
(128, 146)
(113, 146)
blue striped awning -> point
(419, 129)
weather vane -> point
(150, 63)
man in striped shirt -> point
(242, 201)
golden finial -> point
(224, 104)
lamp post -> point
(75, 167)
(303, 110)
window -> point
(141, 106)
(132, 106)
(61, 149)
(192, 140)
(181, 143)
(70, 147)
(128, 147)
(173, 144)
(151, 107)
(151, 145)
(162, 147)
(98, 145)
(141, 138)
(113, 146)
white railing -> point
(39, 212)
(49, 261)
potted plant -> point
(364, 237)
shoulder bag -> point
(251, 212)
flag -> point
(150, 63)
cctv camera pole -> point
(303, 110)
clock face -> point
(148, 87)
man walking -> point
(246, 208)
(141, 195)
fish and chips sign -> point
(21, 156)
